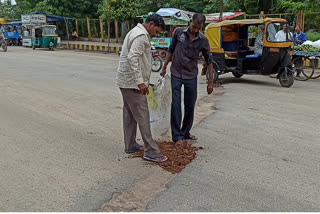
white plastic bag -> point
(159, 99)
(308, 42)
(316, 44)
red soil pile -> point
(178, 156)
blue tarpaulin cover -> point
(50, 18)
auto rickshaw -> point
(11, 34)
(44, 37)
(233, 51)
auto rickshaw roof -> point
(244, 22)
(2, 21)
(213, 30)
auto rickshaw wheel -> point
(286, 79)
(236, 74)
(33, 47)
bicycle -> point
(3, 44)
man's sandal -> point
(192, 137)
(137, 149)
(156, 159)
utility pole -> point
(221, 10)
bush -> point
(313, 36)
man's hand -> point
(164, 71)
(143, 89)
(210, 79)
(210, 87)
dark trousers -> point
(190, 96)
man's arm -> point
(166, 62)
(303, 38)
(138, 46)
(207, 56)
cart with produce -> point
(306, 61)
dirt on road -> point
(178, 156)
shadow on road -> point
(230, 80)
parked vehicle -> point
(156, 60)
(233, 51)
(11, 34)
(3, 43)
(44, 37)
(306, 61)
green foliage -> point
(251, 6)
(128, 9)
(26, 6)
(197, 6)
(253, 31)
(265, 5)
(212, 6)
(313, 36)
(288, 6)
(235, 5)
(71, 8)
(7, 10)
(121, 10)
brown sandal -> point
(192, 137)
(180, 143)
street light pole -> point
(221, 10)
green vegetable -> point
(305, 48)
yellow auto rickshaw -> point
(251, 47)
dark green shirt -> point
(186, 53)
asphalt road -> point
(262, 152)
(61, 131)
(61, 143)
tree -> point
(288, 6)
(26, 6)
(235, 6)
(70, 8)
(7, 10)
(265, 5)
(251, 6)
(117, 10)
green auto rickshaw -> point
(44, 37)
